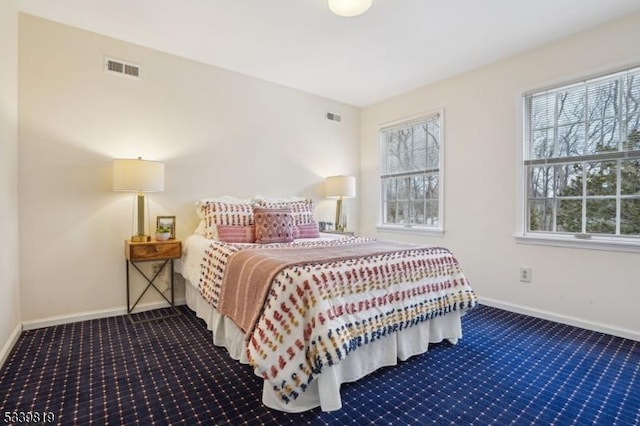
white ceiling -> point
(397, 46)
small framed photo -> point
(166, 223)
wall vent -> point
(334, 117)
(124, 69)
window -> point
(582, 159)
(410, 174)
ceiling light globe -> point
(349, 7)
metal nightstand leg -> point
(150, 283)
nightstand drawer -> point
(154, 250)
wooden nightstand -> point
(148, 251)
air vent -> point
(334, 117)
(124, 69)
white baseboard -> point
(90, 315)
(563, 319)
(6, 349)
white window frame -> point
(555, 239)
(437, 230)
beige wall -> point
(9, 276)
(587, 287)
(219, 133)
(223, 133)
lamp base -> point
(140, 238)
(341, 217)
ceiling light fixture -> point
(349, 7)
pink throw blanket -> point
(249, 273)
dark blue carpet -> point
(508, 369)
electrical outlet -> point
(155, 268)
(161, 282)
(525, 274)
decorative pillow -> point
(237, 234)
(222, 199)
(273, 225)
(302, 210)
(222, 213)
(306, 230)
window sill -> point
(435, 232)
(570, 241)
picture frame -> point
(169, 222)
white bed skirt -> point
(325, 390)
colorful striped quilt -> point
(315, 314)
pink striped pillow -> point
(237, 234)
(306, 230)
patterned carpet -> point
(508, 369)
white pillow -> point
(200, 230)
(278, 198)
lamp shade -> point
(349, 8)
(340, 186)
(138, 175)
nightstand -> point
(149, 251)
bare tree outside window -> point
(583, 157)
(410, 173)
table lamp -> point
(138, 176)
(340, 187)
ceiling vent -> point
(124, 69)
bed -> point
(312, 311)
